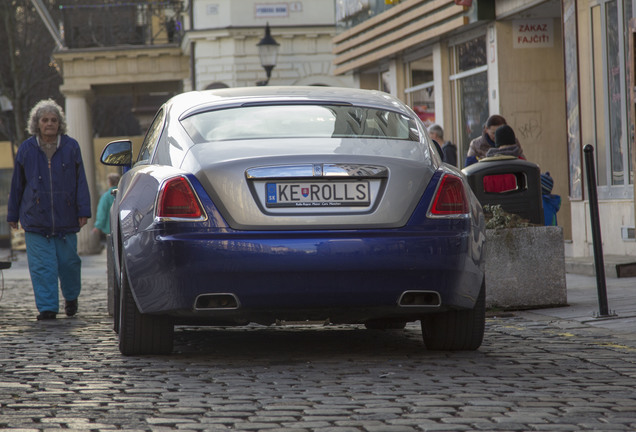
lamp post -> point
(268, 52)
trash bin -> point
(513, 183)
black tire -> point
(141, 333)
(116, 306)
(381, 324)
(109, 277)
(113, 285)
(456, 330)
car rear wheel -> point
(141, 333)
(110, 277)
(456, 330)
(116, 308)
(114, 302)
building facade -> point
(600, 108)
(221, 38)
(558, 71)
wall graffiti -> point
(527, 125)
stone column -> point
(80, 127)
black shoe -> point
(46, 315)
(70, 307)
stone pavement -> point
(583, 302)
(555, 369)
(584, 307)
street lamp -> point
(268, 52)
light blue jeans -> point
(51, 259)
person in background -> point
(449, 150)
(50, 198)
(479, 146)
(506, 144)
(438, 147)
(551, 202)
(102, 219)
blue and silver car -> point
(273, 204)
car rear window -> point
(300, 121)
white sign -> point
(272, 10)
(533, 33)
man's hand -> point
(82, 221)
(13, 225)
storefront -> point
(457, 62)
(599, 37)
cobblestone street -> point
(530, 374)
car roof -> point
(188, 103)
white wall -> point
(612, 216)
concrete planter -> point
(525, 268)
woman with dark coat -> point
(50, 199)
(506, 145)
(479, 147)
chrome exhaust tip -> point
(420, 299)
(216, 301)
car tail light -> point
(178, 200)
(450, 198)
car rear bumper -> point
(343, 277)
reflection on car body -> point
(277, 204)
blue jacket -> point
(551, 205)
(49, 200)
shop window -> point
(385, 82)
(570, 44)
(611, 98)
(421, 91)
(628, 13)
(469, 86)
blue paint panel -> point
(300, 269)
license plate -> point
(318, 194)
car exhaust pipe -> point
(216, 301)
(420, 298)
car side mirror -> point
(117, 153)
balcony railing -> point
(87, 24)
